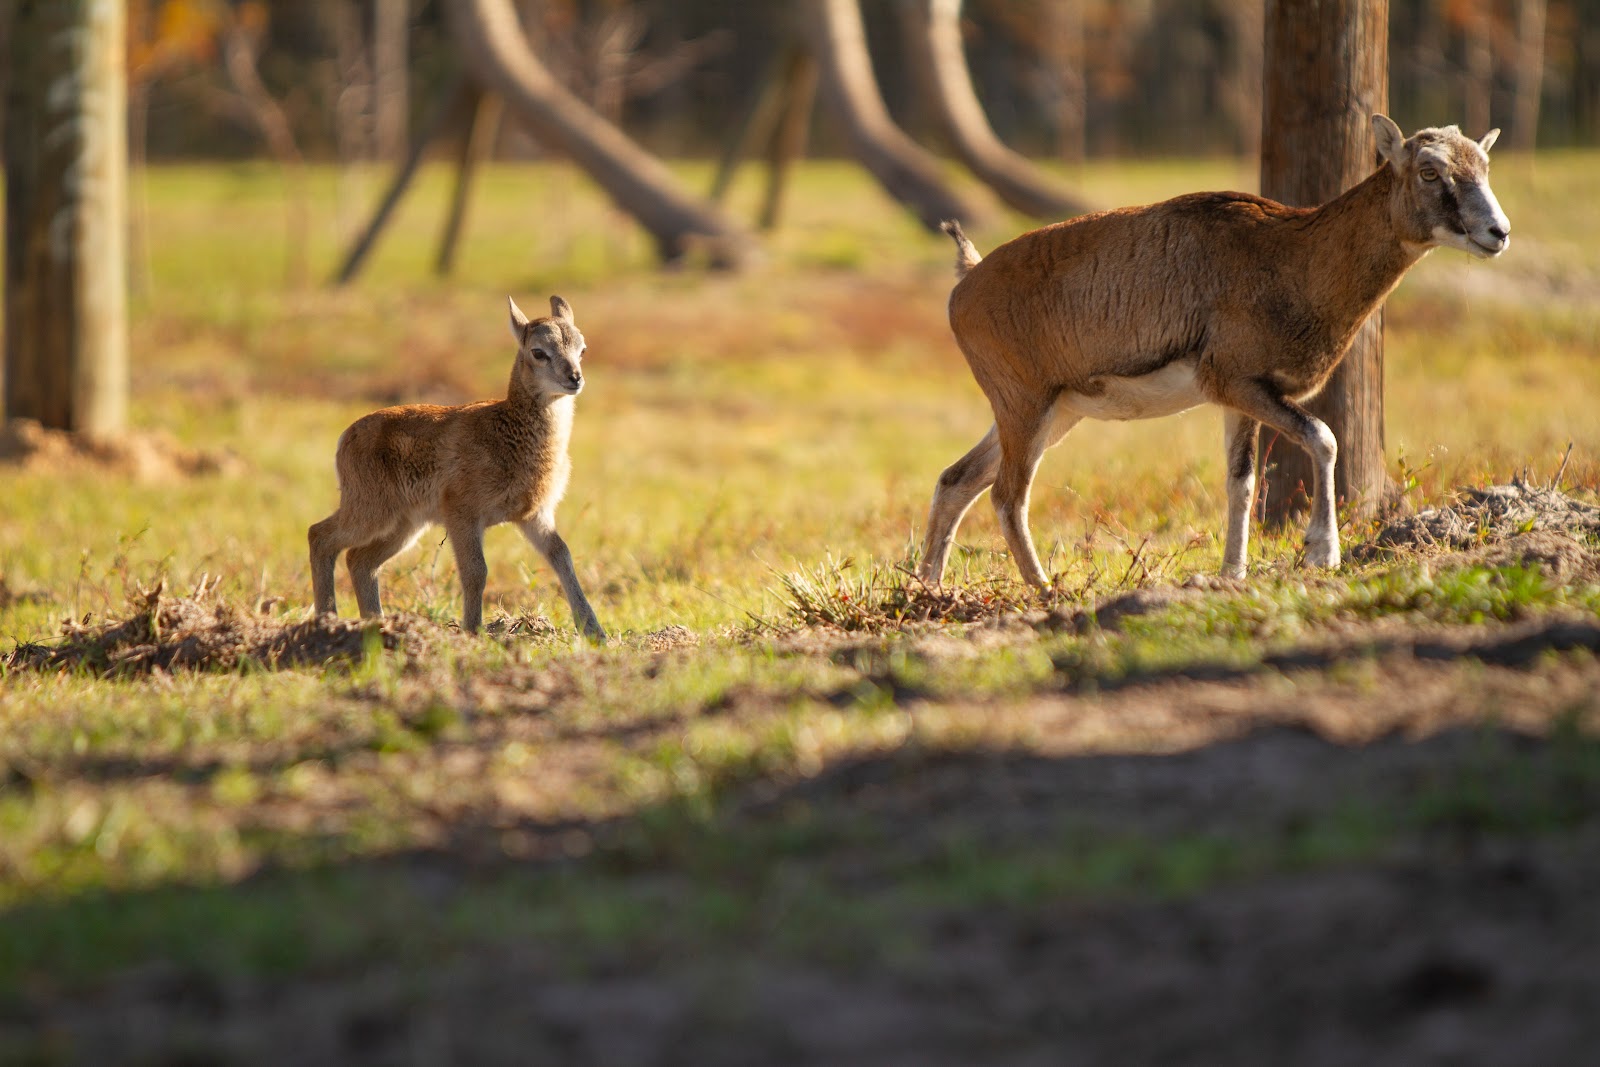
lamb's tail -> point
(966, 252)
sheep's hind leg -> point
(364, 561)
(1022, 442)
(1241, 434)
(326, 540)
(961, 483)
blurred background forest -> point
(1068, 79)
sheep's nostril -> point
(1497, 233)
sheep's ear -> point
(561, 310)
(519, 321)
(1391, 142)
(1489, 140)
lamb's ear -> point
(561, 310)
(1391, 142)
(519, 321)
(1489, 140)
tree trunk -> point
(1063, 32)
(1530, 75)
(496, 53)
(1326, 73)
(477, 143)
(793, 129)
(66, 340)
(937, 35)
(906, 172)
(1477, 79)
(391, 105)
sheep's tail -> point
(966, 252)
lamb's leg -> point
(1241, 434)
(466, 541)
(542, 534)
(326, 540)
(1022, 442)
(1258, 401)
(959, 485)
(364, 561)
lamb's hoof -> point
(1323, 554)
(1233, 570)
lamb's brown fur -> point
(1225, 298)
(466, 468)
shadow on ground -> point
(1272, 899)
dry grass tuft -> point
(204, 632)
(841, 596)
(1495, 513)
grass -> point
(752, 463)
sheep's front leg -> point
(466, 541)
(1241, 434)
(1260, 402)
(541, 532)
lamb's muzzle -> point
(1221, 298)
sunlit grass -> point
(742, 436)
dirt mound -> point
(147, 455)
(10, 596)
(201, 632)
(1478, 516)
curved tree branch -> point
(904, 169)
(497, 54)
(936, 31)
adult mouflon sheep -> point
(1220, 298)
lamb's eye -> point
(1428, 174)
(541, 355)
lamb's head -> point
(1443, 196)
(549, 351)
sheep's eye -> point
(540, 355)
(1428, 174)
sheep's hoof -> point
(1233, 570)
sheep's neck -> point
(1357, 258)
(538, 425)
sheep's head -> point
(549, 351)
(1443, 197)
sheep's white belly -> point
(1164, 392)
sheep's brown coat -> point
(1223, 298)
(467, 468)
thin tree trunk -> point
(496, 53)
(391, 105)
(240, 58)
(1478, 76)
(66, 341)
(1064, 31)
(906, 172)
(1530, 75)
(789, 139)
(477, 140)
(756, 128)
(454, 106)
(1326, 73)
(937, 35)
